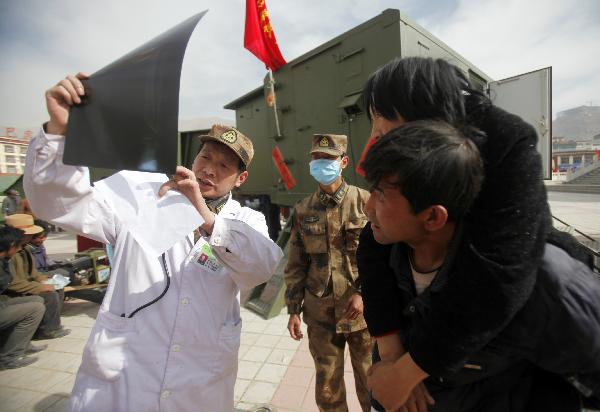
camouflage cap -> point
(232, 138)
(333, 144)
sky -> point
(41, 41)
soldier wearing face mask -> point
(322, 277)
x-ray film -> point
(128, 118)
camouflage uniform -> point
(321, 276)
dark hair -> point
(9, 237)
(419, 88)
(40, 234)
(431, 163)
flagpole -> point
(272, 86)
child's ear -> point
(434, 217)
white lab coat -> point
(179, 354)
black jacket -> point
(557, 330)
(5, 274)
(511, 220)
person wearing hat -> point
(322, 277)
(19, 316)
(167, 333)
(27, 280)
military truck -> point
(321, 91)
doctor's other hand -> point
(295, 327)
(184, 181)
(59, 100)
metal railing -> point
(591, 245)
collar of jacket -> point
(334, 199)
(216, 205)
(35, 249)
(401, 266)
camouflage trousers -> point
(327, 350)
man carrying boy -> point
(168, 331)
(426, 176)
(322, 278)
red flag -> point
(259, 37)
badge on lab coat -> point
(206, 258)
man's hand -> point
(184, 181)
(355, 307)
(419, 400)
(295, 327)
(59, 100)
(394, 385)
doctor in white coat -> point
(168, 331)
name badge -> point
(204, 256)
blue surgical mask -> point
(325, 171)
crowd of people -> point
(30, 306)
(445, 279)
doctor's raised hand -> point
(184, 181)
(59, 100)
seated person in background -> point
(19, 316)
(27, 280)
(426, 175)
(36, 246)
(42, 262)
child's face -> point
(391, 215)
(38, 240)
(217, 170)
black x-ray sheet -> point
(128, 118)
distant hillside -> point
(579, 123)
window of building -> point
(11, 169)
(8, 148)
(11, 159)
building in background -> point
(12, 154)
(13, 148)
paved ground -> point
(273, 369)
(580, 210)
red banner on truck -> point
(283, 169)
